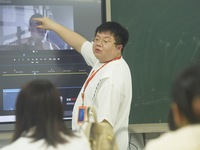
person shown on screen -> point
(39, 121)
(109, 84)
(184, 120)
(37, 40)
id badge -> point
(81, 114)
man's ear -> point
(119, 47)
(196, 106)
(179, 119)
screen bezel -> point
(105, 17)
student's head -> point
(37, 34)
(110, 40)
(39, 108)
(186, 97)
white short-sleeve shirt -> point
(110, 92)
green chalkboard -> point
(164, 39)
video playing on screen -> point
(28, 53)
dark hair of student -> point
(186, 87)
(120, 33)
(38, 107)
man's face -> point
(36, 33)
(105, 48)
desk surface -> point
(148, 128)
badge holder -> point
(81, 114)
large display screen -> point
(27, 53)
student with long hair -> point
(39, 121)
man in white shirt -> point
(109, 84)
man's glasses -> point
(104, 41)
